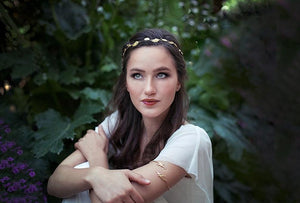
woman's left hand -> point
(115, 185)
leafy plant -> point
(246, 77)
(19, 181)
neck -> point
(151, 126)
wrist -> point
(96, 153)
(99, 160)
(93, 172)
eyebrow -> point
(163, 68)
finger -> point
(137, 178)
(90, 131)
(101, 131)
(136, 197)
(94, 198)
(76, 145)
(127, 199)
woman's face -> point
(152, 81)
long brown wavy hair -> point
(127, 134)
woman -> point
(153, 153)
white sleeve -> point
(109, 123)
(190, 148)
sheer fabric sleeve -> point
(109, 123)
(190, 148)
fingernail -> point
(147, 181)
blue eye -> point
(161, 75)
(137, 76)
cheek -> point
(132, 89)
(128, 86)
(170, 89)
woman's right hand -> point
(94, 146)
(115, 185)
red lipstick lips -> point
(150, 102)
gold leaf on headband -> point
(155, 40)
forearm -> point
(67, 181)
(93, 147)
(99, 160)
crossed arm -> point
(139, 185)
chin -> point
(150, 115)
(153, 114)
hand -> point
(93, 143)
(115, 186)
(93, 197)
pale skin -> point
(152, 83)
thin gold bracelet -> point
(163, 178)
(158, 163)
(160, 175)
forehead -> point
(150, 56)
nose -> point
(150, 88)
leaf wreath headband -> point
(155, 40)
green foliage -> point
(221, 126)
(51, 123)
(24, 66)
(249, 63)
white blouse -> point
(189, 148)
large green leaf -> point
(72, 18)
(109, 65)
(201, 118)
(224, 126)
(85, 111)
(69, 76)
(52, 129)
(96, 94)
(21, 62)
